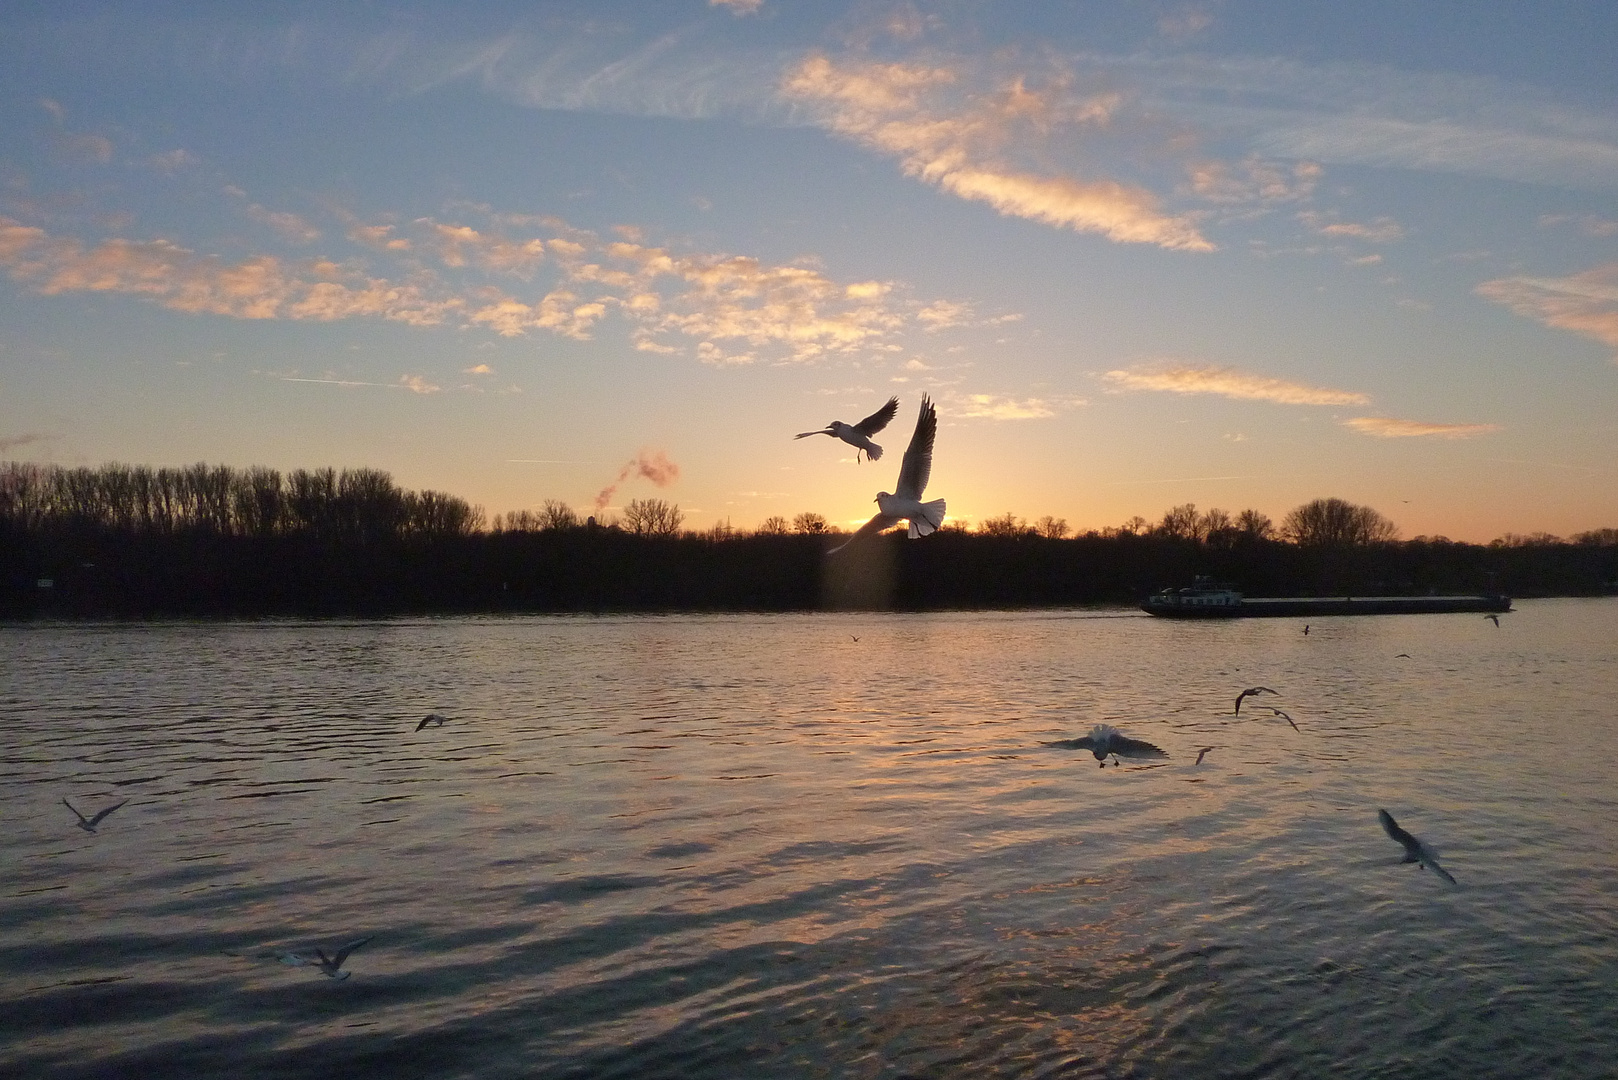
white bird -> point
(905, 504)
(432, 718)
(1415, 850)
(1106, 741)
(859, 435)
(1249, 692)
(89, 824)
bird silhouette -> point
(1494, 619)
(433, 719)
(1283, 716)
(332, 965)
(1415, 850)
(1106, 741)
(1249, 692)
(1201, 754)
(859, 435)
(905, 503)
(89, 824)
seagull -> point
(1249, 692)
(1415, 850)
(1283, 716)
(89, 824)
(906, 503)
(1200, 754)
(852, 636)
(1305, 629)
(1106, 741)
(859, 435)
(434, 719)
(329, 965)
(1494, 619)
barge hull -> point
(1334, 605)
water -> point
(725, 846)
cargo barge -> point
(1208, 599)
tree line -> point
(211, 540)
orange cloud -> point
(891, 108)
(1585, 303)
(1228, 382)
(1386, 427)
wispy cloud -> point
(292, 228)
(958, 142)
(1383, 230)
(1585, 303)
(996, 407)
(653, 465)
(416, 384)
(738, 7)
(1231, 383)
(9, 443)
(1386, 427)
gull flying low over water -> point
(329, 965)
(434, 719)
(1249, 692)
(89, 824)
(1106, 741)
(1282, 715)
(1415, 850)
(859, 435)
(1201, 753)
(905, 503)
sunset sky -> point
(1241, 254)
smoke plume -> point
(653, 465)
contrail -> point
(654, 466)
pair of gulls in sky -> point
(904, 502)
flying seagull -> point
(1415, 850)
(1106, 741)
(1200, 754)
(905, 503)
(859, 435)
(1249, 692)
(1305, 629)
(1283, 716)
(434, 719)
(329, 965)
(1494, 619)
(89, 824)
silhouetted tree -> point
(774, 525)
(1255, 525)
(1052, 528)
(652, 517)
(1336, 523)
(809, 523)
(1007, 524)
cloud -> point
(377, 236)
(418, 385)
(480, 369)
(1386, 427)
(9, 443)
(1585, 303)
(173, 161)
(84, 149)
(1254, 180)
(460, 245)
(909, 112)
(1185, 22)
(291, 227)
(1228, 382)
(738, 7)
(1383, 230)
(994, 407)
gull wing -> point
(879, 419)
(806, 434)
(1085, 743)
(342, 954)
(1126, 747)
(870, 528)
(82, 819)
(918, 463)
(97, 819)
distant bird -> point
(1283, 716)
(859, 435)
(1200, 754)
(1494, 619)
(432, 718)
(89, 824)
(906, 503)
(1249, 692)
(1106, 741)
(332, 965)
(1401, 656)
(852, 636)
(1305, 629)
(1415, 850)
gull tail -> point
(873, 452)
(929, 520)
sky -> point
(1139, 253)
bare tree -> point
(809, 523)
(1007, 524)
(1182, 522)
(774, 525)
(1336, 522)
(652, 517)
(1255, 525)
(556, 514)
(1052, 528)
(1134, 526)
